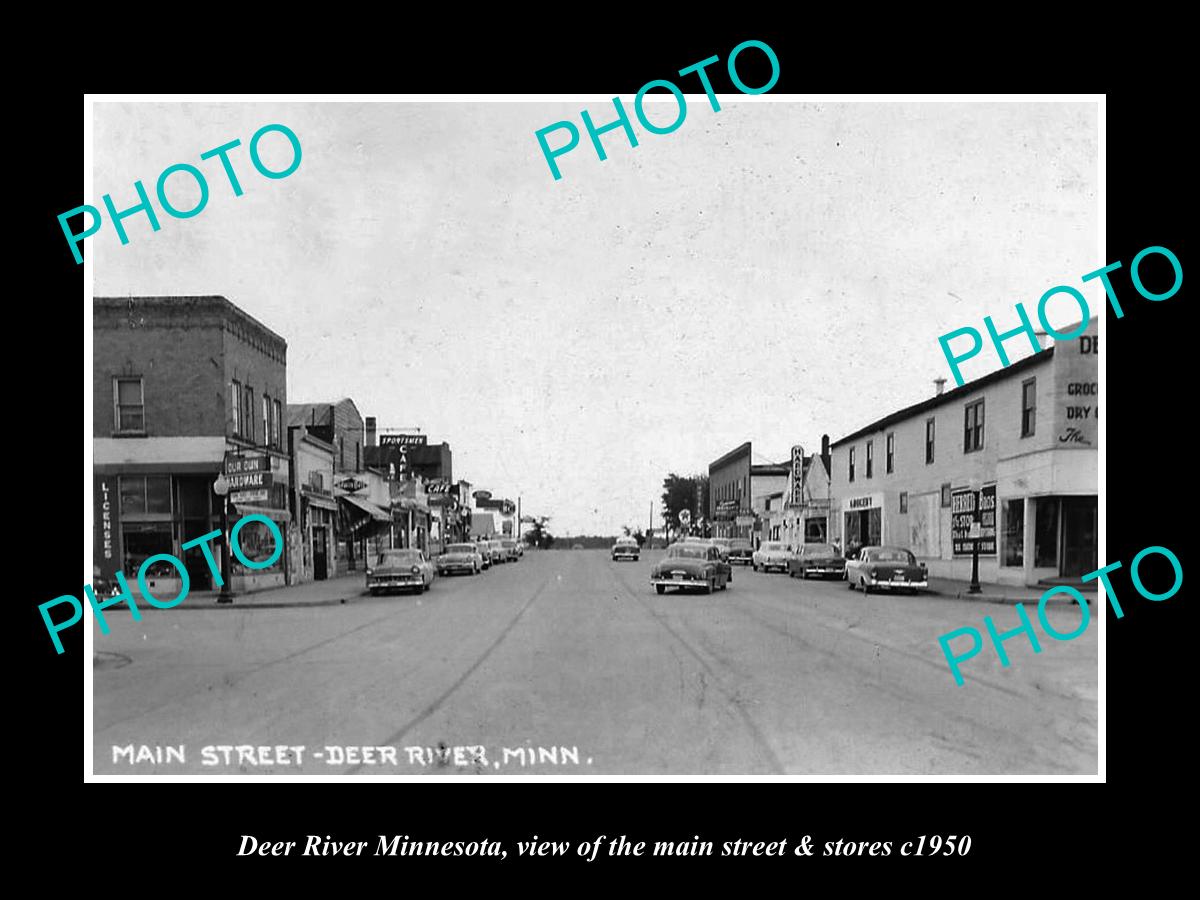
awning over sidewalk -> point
(276, 515)
(321, 501)
(365, 506)
(407, 503)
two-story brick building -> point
(1025, 437)
(737, 492)
(180, 384)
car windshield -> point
(770, 547)
(508, 545)
(461, 548)
(688, 551)
(739, 545)
(891, 554)
(819, 550)
(625, 542)
(399, 558)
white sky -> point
(769, 272)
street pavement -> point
(566, 663)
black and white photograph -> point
(530, 437)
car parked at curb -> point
(887, 568)
(691, 566)
(820, 560)
(460, 558)
(400, 570)
(511, 553)
(771, 555)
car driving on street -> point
(740, 552)
(821, 560)
(886, 567)
(626, 548)
(400, 570)
(771, 555)
(460, 558)
(691, 566)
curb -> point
(1057, 600)
(212, 603)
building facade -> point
(1014, 452)
(313, 507)
(185, 389)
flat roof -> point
(949, 396)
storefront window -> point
(1014, 533)
(1045, 552)
(814, 531)
(257, 543)
(145, 494)
(142, 541)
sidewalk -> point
(331, 592)
(1006, 593)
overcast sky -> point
(770, 272)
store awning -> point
(321, 501)
(366, 506)
(276, 515)
(407, 503)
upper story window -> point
(248, 413)
(278, 411)
(870, 458)
(235, 404)
(851, 464)
(973, 427)
(129, 408)
(929, 435)
(1028, 407)
(890, 461)
(268, 430)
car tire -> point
(660, 589)
(374, 593)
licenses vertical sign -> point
(107, 549)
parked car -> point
(740, 551)
(460, 558)
(771, 555)
(722, 544)
(626, 548)
(691, 566)
(511, 553)
(822, 560)
(886, 567)
(485, 554)
(497, 552)
(400, 570)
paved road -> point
(566, 663)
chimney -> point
(825, 452)
(940, 383)
(370, 431)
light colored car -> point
(771, 555)
(497, 552)
(511, 553)
(739, 551)
(821, 560)
(400, 570)
(626, 548)
(691, 565)
(892, 568)
(460, 558)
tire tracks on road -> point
(714, 680)
(433, 707)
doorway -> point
(320, 551)
(1079, 536)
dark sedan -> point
(821, 560)
(691, 566)
(886, 567)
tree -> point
(538, 536)
(639, 536)
(685, 492)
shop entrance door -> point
(1079, 536)
(320, 545)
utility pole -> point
(650, 532)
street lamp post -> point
(221, 489)
(976, 532)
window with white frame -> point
(129, 407)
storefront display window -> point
(145, 540)
(1014, 533)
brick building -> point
(178, 385)
(1015, 450)
(738, 490)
